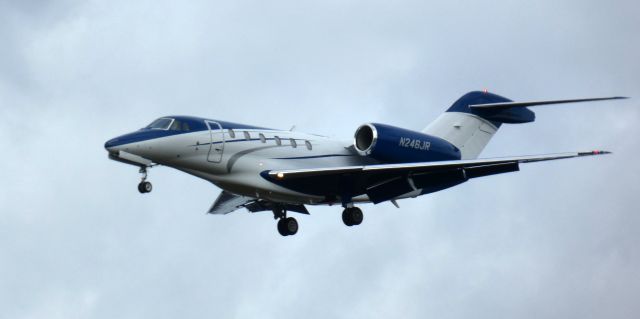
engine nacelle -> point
(390, 144)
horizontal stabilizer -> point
(506, 105)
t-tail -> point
(473, 119)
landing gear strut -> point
(144, 186)
(352, 216)
(286, 225)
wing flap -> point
(263, 205)
(389, 189)
(487, 170)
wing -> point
(228, 202)
(506, 105)
(387, 181)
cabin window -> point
(262, 138)
(247, 136)
(160, 124)
(278, 141)
(232, 133)
(293, 143)
(186, 127)
(308, 144)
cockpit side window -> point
(176, 126)
(160, 124)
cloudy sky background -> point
(558, 239)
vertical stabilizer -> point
(471, 129)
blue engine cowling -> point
(390, 144)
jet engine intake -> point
(390, 144)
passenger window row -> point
(277, 139)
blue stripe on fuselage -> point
(195, 124)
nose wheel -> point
(144, 186)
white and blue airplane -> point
(281, 171)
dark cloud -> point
(554, 240)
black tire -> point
(356, 216)
(140, 188)
(147, 187)
(290, 225)
(281, 227)
(346, 217)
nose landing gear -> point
(144, 186)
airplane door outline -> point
(216, 148)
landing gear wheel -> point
(145, 187)
(346, 219)
(287, 226)
(356, 216)
(352, 216)
(281, 226)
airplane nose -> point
(110, 144)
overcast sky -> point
(555, 240)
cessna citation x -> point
(264, 169)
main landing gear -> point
(352, 216)
(144, 186)
(286, 225)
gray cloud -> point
(554, 240)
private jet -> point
(283, 171)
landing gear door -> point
(216, 148)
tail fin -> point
(471, 129)
(474, 118)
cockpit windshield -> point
(160, 124)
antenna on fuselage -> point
(292, 128)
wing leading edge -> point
(387, 181)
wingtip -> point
(594, 152)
